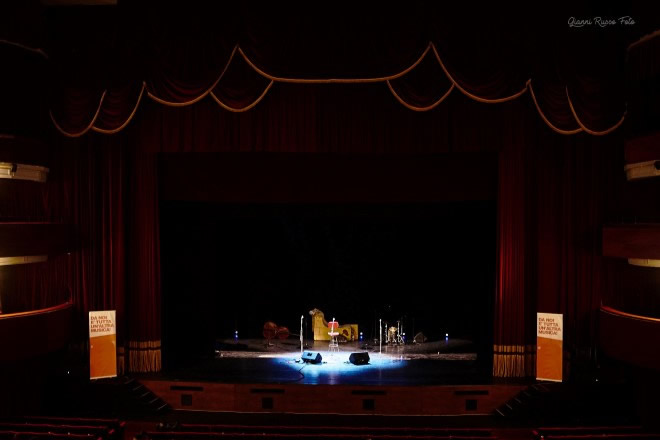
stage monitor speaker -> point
(359, 358)
(312, 357)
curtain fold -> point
(424, 87)
(144, 292)
(513, 350)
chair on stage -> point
(333, 326)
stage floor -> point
(447, 377)
(444, 362)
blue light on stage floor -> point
(421, 364)
(336, 368)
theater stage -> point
(434, 378)
(442, 362)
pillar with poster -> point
(549, 346)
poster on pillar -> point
(102, 344)
(549, 350)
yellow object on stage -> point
(349, 332)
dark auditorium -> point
(350, 220)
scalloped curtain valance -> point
(234, 92)
(573, 77)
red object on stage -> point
(282, 332)
(270, 330)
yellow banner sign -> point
(549, 346)
(102, 344)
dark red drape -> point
(143, 289)
(181, 54)
(109, 192)
(553, 198)
(514, 301)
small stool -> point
(333, 326)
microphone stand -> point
(380, 335)
(301, 334)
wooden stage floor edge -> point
(432, 400)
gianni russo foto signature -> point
(600, 21)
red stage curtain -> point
(574, 182)
(554, 194)
(112, 197)
(87, 188)
(144, 293)
(513, 355)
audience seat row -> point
(178, 435)
(593, 432)
(313, 430)
(73, 428)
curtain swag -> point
(385, 79)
